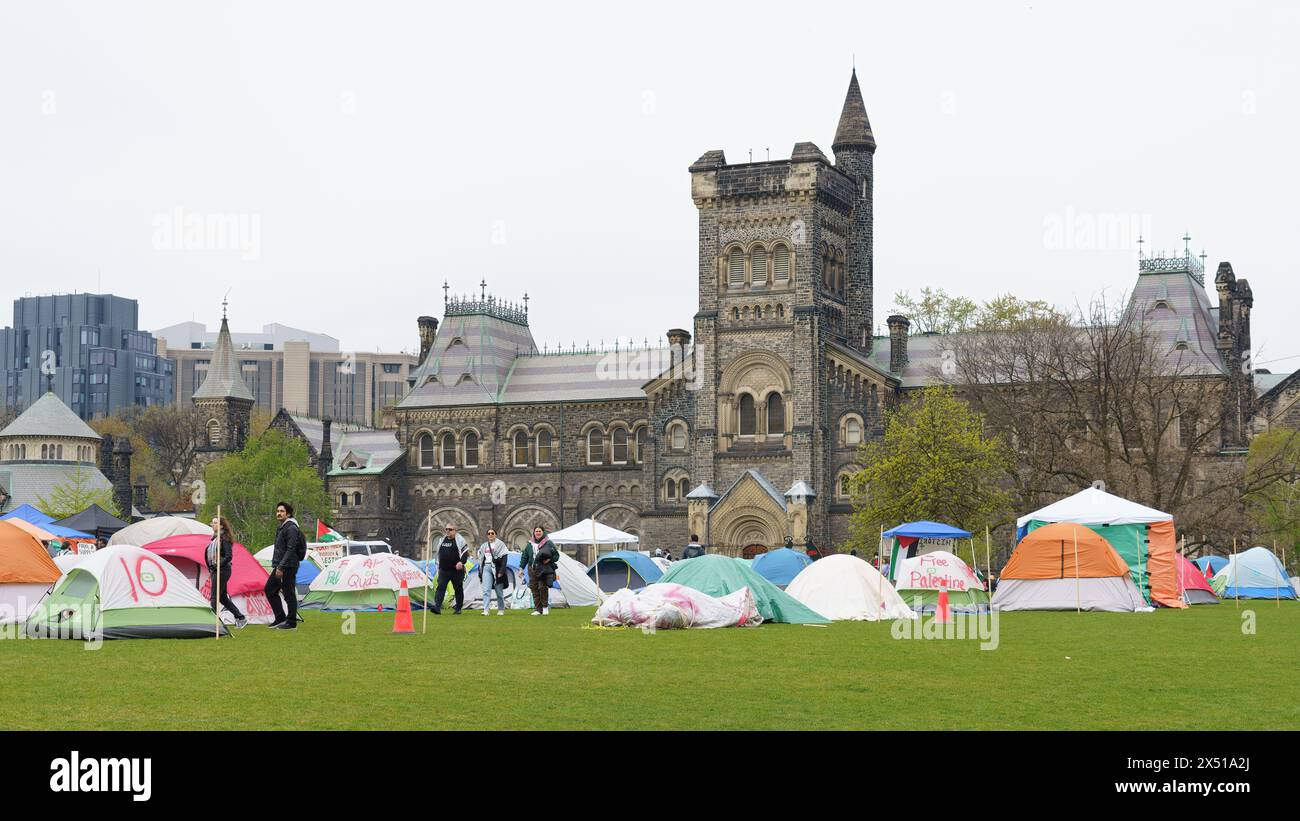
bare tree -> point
(174, 434)
(1092, 395)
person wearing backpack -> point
(290, 550)
(220, 554)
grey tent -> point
(95, 520)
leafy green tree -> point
(936, 311)
(1273, 488)
(75, 495)
(934, 462)
(247, 485)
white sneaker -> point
(534, 613)
(485, 612)
(500, 613)
(546, 611)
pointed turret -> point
(854, 130)
(224, 380)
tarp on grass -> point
(720, 576)
(673, 606)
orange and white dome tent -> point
(26, 573)
(1066, 566)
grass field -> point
(1162, 670)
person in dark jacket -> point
(224, 541)
(541, 559)
(290, 548)
(453, 553)
(693, 549)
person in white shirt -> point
(491, 560)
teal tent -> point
(719, 576)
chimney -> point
(898, 326)
(678, 339)
(141, 496)
(123, 494)
(106, 456)
(428, 330)
(326, 458)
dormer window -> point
(455, 340)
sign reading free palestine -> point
(935, 570)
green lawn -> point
(1164, 670)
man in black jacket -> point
(693, 549)
(453, 552)
(290, 549)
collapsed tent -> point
(624, 568)
(673, 606)
(845, 588)
(367, 583)
(247, 585)
(922, 577)
(147, 531)
(914, 539)
(26, 573)
(1196, 590)
(720, 576)
(780, 566)
(1142, 536)
(1253, 574)
(124, 592)
(1066, 566)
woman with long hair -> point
(541, 559)
(223, 542)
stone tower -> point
(785, 281)
(224, 398)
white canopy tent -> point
(1095, 507)
(589, 531)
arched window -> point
(45, 452)
(425, 445)
(595, 447)
(682, 488)
(758, 266)
(392, 497)
(780, 264)
(471, 449)
(844, 487)
(214, 433)
(544, 442)
(775, 413)
(60, 456)
(670, 490)
(356, 500)
(521, 450)
(852, 431)
(748, 416)
(448, 450)
(343, 500)
(677, 436)
(618, 446)
(736, 267)
(676, 485)
(639, 453)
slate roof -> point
(313, 430)
(854, 128)
(758, 476)
(375, 449)
(48, 416)
(29, 482)
(223, 380)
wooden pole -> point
(880, 568)
(595, 551)
(1236, 592)
(1277, 591)
(988, 561)
(428, 545)
(1182, 584)
(216, 576)
(1078, 595)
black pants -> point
(457, 579)
(288, 587)
(226, 602)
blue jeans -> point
(489, 585)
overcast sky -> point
(370, 151)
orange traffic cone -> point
(942, 614)
(402, 624)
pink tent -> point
(1192, 582)
(247, 579)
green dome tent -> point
(719, 576)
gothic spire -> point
(224, 380)
(854, 130)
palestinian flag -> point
(325, 533)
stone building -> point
(47, 445)
(225, 400)
(744, 429)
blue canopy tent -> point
(31, 515)
(1210, 565)
(780, 566)
(1253, 574)
(913, 539)
(624, 568)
